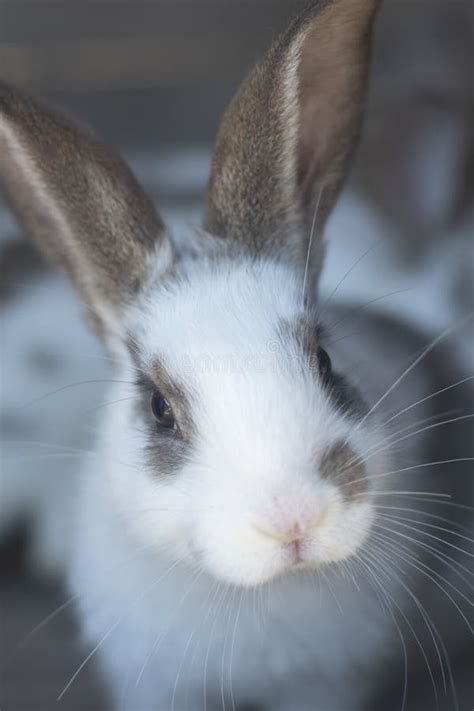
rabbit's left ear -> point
(81, 204)
(288, 135)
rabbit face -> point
(239, 437)
(238, 446)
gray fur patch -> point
(166, 450)
(307, 337)
(338, 466)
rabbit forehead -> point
(219, 309)
(236, 338)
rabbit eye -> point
(162, 411)
(324, 363)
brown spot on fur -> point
(336, 465)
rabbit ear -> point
(286, 139)
(80, 202)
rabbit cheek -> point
(340, 465)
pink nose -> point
(287, 535)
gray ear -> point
(81, 204)
(288, 135)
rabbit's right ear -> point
(81, 204)
(284, 144)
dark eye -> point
(162, 411)
(324, 363)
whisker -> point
(389, 607)
(408, 469)
(222, 593)
(424, 513)
(231, 658)
(391, 438)
(420, 567)
(408, 370)
(359, 307)
(97, 381)
(448, 561)
(409, 493)
(185, 652)
(112, 402)
(162, 635)
(327, 301)
(114, 627)
(310, 244)
(425, 617)
(428, 397)
(224, 647)
(414, 434)
(430, 525)
(435, 552)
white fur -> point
(229, 514)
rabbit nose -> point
(291, 535)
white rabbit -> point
(235, 543)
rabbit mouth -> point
(260, 557)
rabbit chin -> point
(247, 556)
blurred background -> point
(153, 77)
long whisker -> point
(350, 313)
(414, 434)
(391, 437)
(424, 615)
(409, 469)
(448, 561)
(408, 558)
(428, 397)
(96, 381)
(222, 594)
(410, 492)
(436, 552)
(231, 658)
(185, 652)
(389, 602)
(112, 402)
(428, 514)
(438, 635)
(429, 525)
(115, 625)
(408, 370)
(160, 637)
(310, 244)
(327, 301)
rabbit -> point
(261, 526)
